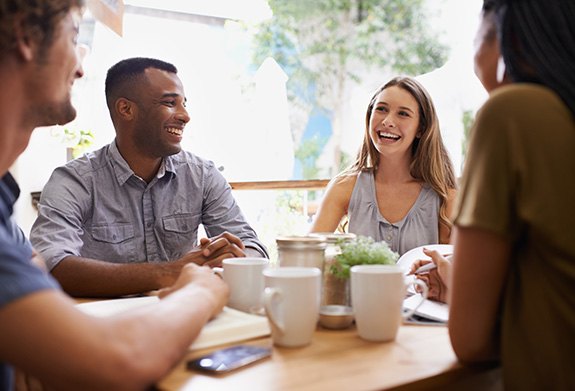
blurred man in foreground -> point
(41, 332)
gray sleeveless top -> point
(419, 227)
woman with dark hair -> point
(401, 185)
(512, 282)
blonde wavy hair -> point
(430, 161)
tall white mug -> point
(245, 279)
(377, 294)
(291, 301)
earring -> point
(500, 70)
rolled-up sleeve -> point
(57, 232)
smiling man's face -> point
(161, 115)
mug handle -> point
(270, 296)
(424, 293)
(219, 271)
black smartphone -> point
(228, 359)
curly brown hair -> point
(38, 18)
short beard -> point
(54, 114)
(155, 149)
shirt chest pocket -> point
(182, 223)
(113, 234)
(180, 233)
(113, 243)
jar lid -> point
(333, 237)
(301, 242)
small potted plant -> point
(360, 250)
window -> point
(298, 115)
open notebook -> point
(229, 326)
(430, 312)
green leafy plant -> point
(327, 46)
(77, 140)
(361, 251)
(80, 140)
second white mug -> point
(245, 279)
(377, 294)
(291, 301)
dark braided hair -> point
(537, 41)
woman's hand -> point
(439, 279)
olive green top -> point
(519, 182)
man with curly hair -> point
(41, 331)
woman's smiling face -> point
(394, 121)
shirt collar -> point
(169, 163)
(124, 172)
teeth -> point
(388, 135)
(175, 131)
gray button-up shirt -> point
(96, 207)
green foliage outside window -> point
(324, 45)
(307, 154)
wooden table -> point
(420, 358)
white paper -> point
(429, 309)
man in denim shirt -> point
(124, 219)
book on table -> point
(229, 326)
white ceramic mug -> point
(291, 301)
(245, 279)
(377, 294)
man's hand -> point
(438, 280)
(203, 278)
(211, 252)
(220, 247)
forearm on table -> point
(178, 318)
(131, 357)
(84, 277)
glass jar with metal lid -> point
(335, 290)
(307, 251)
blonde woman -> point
(401, 186)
